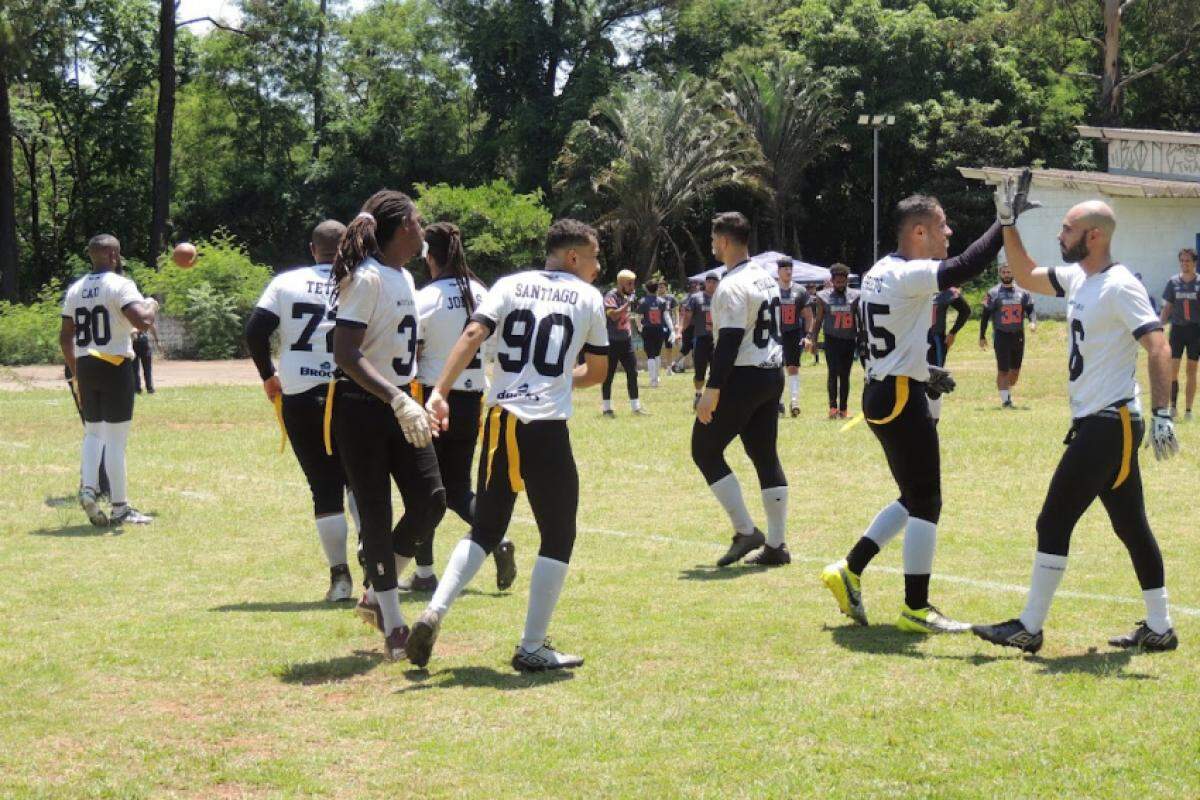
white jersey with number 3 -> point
(541, 320)
(443, 317)
(300, 298)
(96, 303)
(382, 300)
(1106, 314)
(747, 298)
(894, 302)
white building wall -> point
(1150, 233)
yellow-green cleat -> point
(927, 621)
(846, 589)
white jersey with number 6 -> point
(96, 304)
(382, 300)
(300, 298)
(1106, 314)
(541, 319)
(894, 303)
(443, 317)
(747, 298)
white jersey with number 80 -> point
(541, 320)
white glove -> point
(1162, 435)
(413, 421)
(1012, 198)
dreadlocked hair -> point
(446, 249)
(382, 215)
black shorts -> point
(1185, 337)
(702, 351)
(652, 341)
(1010, 350)
(937, 349)
(105, 390)
(304, 420)
(897, 411)
(792, 349)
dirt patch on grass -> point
(167, 375)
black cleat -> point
(415, 583)
(795, 411)
(609, 414)
(1009, 634)
(1143, 637)
(741, 546)
(771, 556)
(506, 564)
(419, 644)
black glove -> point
(940, 382)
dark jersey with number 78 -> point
(840, 311)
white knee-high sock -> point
(652, 368)
(332, 530)
(775, 501)
(116, 435)
(935, 408)
(920, 538)
(794, 388)
(1048, 571)
(93, 451)
(545, 585)
(729, 493)
(389, 605)
(635, 403)
(887, 523)
(425, 571)
(401, 563)
(465, 561)
(1158, 617)
(606, 405)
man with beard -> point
(1011, 306)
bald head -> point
(325, 238)
(104, 251)
(1087, 233)
(1095, 214)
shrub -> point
(213, 321)
(502, 231)
(222, 264)
(29, 333)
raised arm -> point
(1025, 270)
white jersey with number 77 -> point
(300, 299)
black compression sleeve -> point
(259, 327)
(962, 311)
(972, 261)
(983, 321)
(724, 355)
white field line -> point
(1011, 588)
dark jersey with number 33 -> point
(542, 320)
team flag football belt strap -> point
(496, 420)
(901, 401)
(1126, 446)
(857, 418)
(417, 391)
(327, 428)
(108, 358)
(283, 437)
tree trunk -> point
(1110, 85)
(318, 90)
(164, 123)
(9, 262)
(29, 149)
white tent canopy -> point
(802, 272)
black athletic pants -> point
(105, 390)
(304, 421)
(455, 450)
(749, 408)
(689, 339)
(374, 453)
(652, 341)
(702, 351)
(839, 358)
(620, 352)
(1101, 460)
(534, 456)
(897, 410)
(142, 357)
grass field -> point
(194, 658)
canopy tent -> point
(802, 272)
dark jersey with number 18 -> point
(542, 320)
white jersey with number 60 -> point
(96, 304)
(382, 300)
(541, 320)
(747, 298)
(300, 298)
(894, 303)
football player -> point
(1108, 316)
(837, 316)
(796, 328)
(1011, 306)
(296, 303)
(654, 312)
(544, 319)
(741, 397)
(895, 300)
(1178, 297)
(940, 341)
(697, 318)
(99, 313)
(618, 305)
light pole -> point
(875, 122)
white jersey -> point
(894, 303)
(1106, 314)
(747, 298)
(443, 316)
(542, 320)
(382, 300)
(96, 304)
(300, 298)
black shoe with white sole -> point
(743, 544)
(1143, 637)
(771, 557)
(1010, 634)
(543, 659)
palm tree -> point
(792, 115)
(666, 148)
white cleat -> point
(544, 658)
(341, 586)
(91, 507)
(128, 515)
